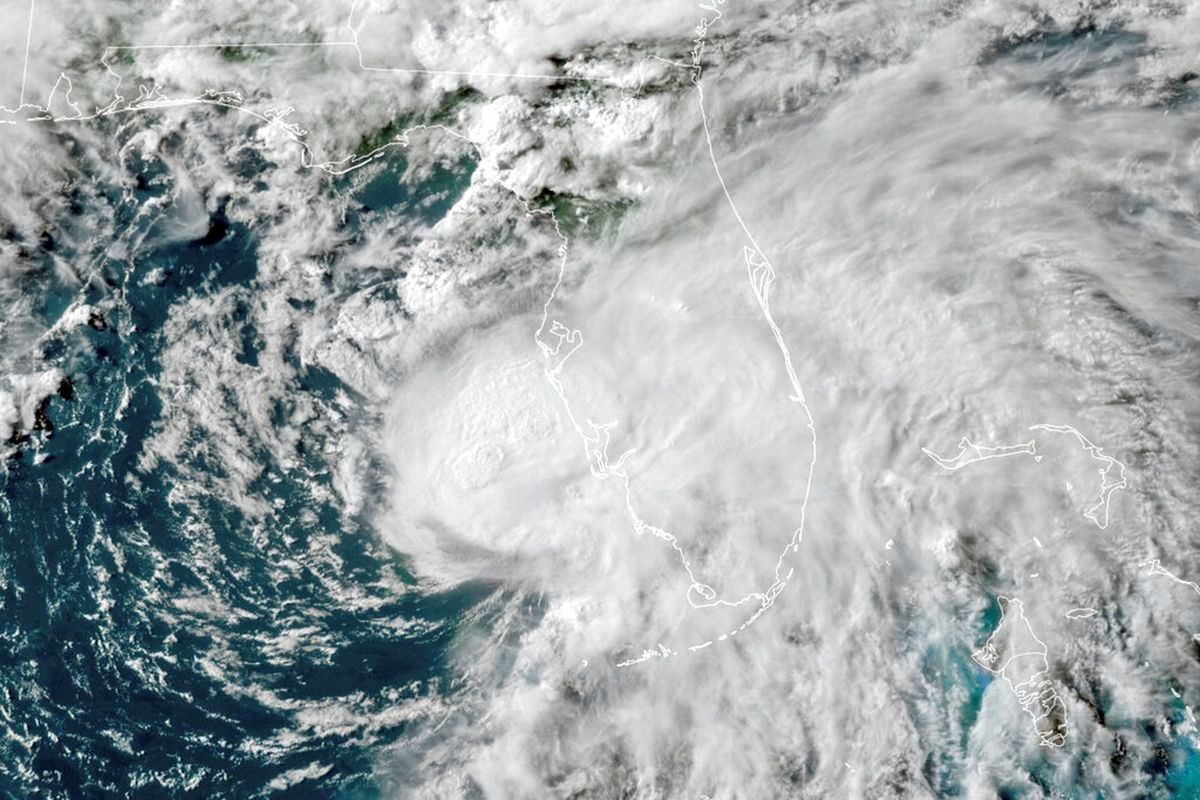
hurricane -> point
(556, 399)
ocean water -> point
(219, 576)
(157, 639)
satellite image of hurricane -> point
(704, 399)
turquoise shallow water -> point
(160, 639)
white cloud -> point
(957, 252)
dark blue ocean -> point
(157, 640)
(140, 614)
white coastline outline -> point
(1034, 690)
(558, 342)
(1154, 567)
(761, 274)
(971, 453)
(353, 42)
(1107, 487)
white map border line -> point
(1107, 488)
(971, 453)
(28, 44)
(353, 42)
(1154, 567)
(1037, 690)
(761, 273)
